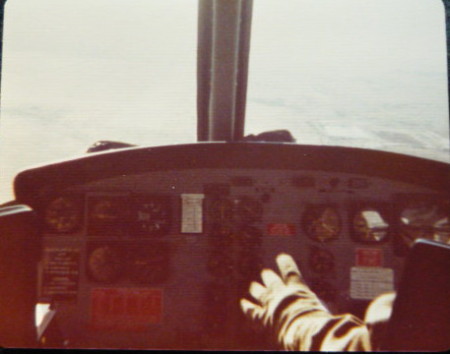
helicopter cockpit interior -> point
(151, 247)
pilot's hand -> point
(286, 305)
(278, 292)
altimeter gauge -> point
(104, 264)
(63, 215)
(369, 226)
(321, 222)
(107, 215)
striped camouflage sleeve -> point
(286, 305)
(318, 330)
(304, 323)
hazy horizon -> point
(370, 74)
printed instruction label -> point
(60, 272)
(367, 283)
(192, 213)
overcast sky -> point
(367, 73)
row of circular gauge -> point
(144, 264)
(109, 215)
(109, 263)
(151, 216)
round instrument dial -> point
(151, 217)
(105, 210)
(369, 226)
(107, 215)
(321, 223)
(62, 215)
(424, 220)
(104, 264)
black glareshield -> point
(421, 314)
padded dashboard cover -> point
(421, 314)
(57, 176)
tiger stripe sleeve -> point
(318, 330)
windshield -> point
(367, 74)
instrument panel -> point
(161, 257)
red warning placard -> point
(125, 309)
(281, 229)
(369, 257)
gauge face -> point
(369, 226)
(249, 209)
(105, 210)
(321, 223)
(151, 217)
(107, 215)
(148, 264)
(104, 264)
(63, 215)
(321, 260)
(425, 220)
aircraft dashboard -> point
(154, 247)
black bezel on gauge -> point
(78, 206)
(150, 215)
(405, 200)
(383, 209)
(313, 212)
